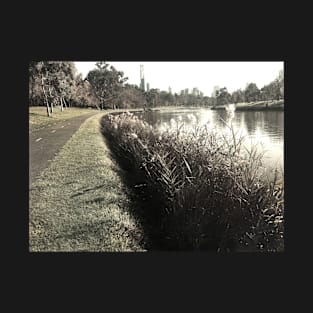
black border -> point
(180, 45)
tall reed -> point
(213, 194)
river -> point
(264, 128)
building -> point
(170, 90)
(148, 86)
(215, 89)
(142, 78)
(195, 91)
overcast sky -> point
(203, 75)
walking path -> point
(79, 202)
(45, 143)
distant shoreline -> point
(258, 105)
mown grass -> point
(79, 202)
(257, 105)
(38, 116)
(168, 108)
(209, 188)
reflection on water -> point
(264, 127)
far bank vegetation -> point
(56, 84)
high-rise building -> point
(215, 89)
(148, 86)
(186, 91)
(195, 91)
(142, 78)
(170, 90)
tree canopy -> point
(54, 83)
(106, 82)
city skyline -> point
(189, 75)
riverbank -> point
(204, 193)
(79, 202)
(82, 203)
(258, 106)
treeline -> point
(53, 83)
(272, 91)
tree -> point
(151, 97)
(106, 82)
(165, 98)
(223, 96)
(130, 96)
(238, 96)
(252, 92)
(84, 95)
(51, 82)
(35, 91)
(65, 83)
(45, 77)
(274, 90)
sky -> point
(203, 75)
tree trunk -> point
(61, 103)
(51, 103)
(45, 95)
(32, 91)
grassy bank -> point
(208, 191)
(258, 105)
(167, 108)
(38, 116)
(79, 202)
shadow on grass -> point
(81, 192)
(145, 201)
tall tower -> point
(148, 86)
(142, 78)
(215, 89)
(195, 91)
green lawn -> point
(169, 108)
(38, 116)
(79, 202)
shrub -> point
(213, 192)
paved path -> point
(45, 143)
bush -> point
(213, 195)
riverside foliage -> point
(213, 192)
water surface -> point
(264, 128)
